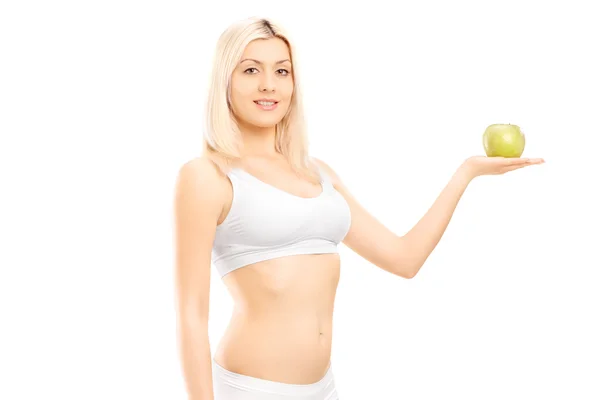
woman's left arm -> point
(405, 255)
(422, 239)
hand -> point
(482, 165)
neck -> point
(258, 141)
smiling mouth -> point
(265, 103)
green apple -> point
(503, 140)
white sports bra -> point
(265, 222)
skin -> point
(281, 327)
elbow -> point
(191, 318)
(412, 269)
(407, 262)
(195, 322)
(412, 273)
(191, 330)
(405, 270)
(408, 273)
(408, 267)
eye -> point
(281, 71)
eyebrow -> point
(258, 62)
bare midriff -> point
(281, 326)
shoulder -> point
(199, 182)
(198, 170)
(328, 169)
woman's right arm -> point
(197, 207)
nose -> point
(267, 83)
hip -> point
(290, 352)
(235, 386)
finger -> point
(514, 164)
(517, 161)
(504, 162)
(523, 161)
(536, 161)
(514, 167)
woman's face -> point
(262, 83)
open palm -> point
(483, 165)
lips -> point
(266, 104)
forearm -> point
(194, 347)
(420, 241)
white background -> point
(101, 102)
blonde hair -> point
(221, 137)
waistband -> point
(251, 383)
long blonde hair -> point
(221, 137)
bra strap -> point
(325, 179)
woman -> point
(270, 218)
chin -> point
(266, 122)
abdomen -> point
(281, 328)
